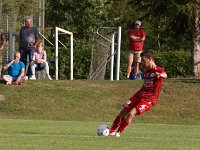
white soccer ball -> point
(103, 130)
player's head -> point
(148, 59)
(28, 21)
(138, 24)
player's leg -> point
(129, 65)
(137, 61)
(118, 121)
(127, 120)
(141, 107)
(128, 105)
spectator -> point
(139, 75)
(28, 38)
(16, 71)
(136, 39)
(39, 60)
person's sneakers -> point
(112, 133)
(32, 77)
(117, 134)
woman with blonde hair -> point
(39, 60)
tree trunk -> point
(196, 49)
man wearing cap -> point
(136, 42)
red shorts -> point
(140, 104)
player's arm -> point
(161, 75)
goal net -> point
(103, 53)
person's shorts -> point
(9, 77)
(134, 56)
(140, 104)
(13, 78)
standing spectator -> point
(28, 38)
(144, 99)
(136, 39)
(39, 60)
(16, 71)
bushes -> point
(177, 63)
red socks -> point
(122, 126)
(116, 123)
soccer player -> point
(144, 99)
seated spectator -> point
(139, 74)
(16, 70)
(39, 60)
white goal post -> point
(58, 30)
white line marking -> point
(95, 136)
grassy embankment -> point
(87, 100)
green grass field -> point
(79, 135)
(64, 115)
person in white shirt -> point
(39, 60)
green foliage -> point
(176, 63)
(81, 60)
(169, 29)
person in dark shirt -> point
(28, 39)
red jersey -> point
(136, 45)
(151, 88)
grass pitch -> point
(64, 115)
(78, 135)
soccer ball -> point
(103, 130)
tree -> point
(176, 18)
(193, 11)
